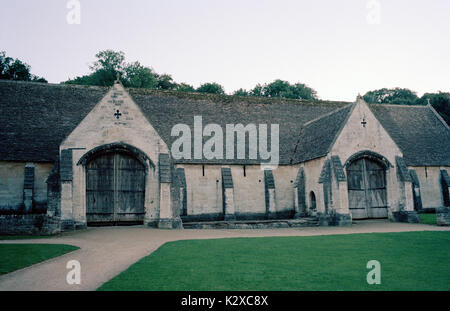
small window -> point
(445, 185)
(203, 170)
(312, 201)
(245, 171)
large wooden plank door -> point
(366, 182)
(376, 190)
(100, 189)
(356, 190)
(115, 189)
(130, 189)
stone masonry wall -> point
(205, 196)
(430, 185)
(12, 180)
(29, 225)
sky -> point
(339, 48)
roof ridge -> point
(195, 95)
(395, 105)
(67, 85)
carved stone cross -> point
(118, 114)
(363, 122)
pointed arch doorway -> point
(367, 193)
(115, 189)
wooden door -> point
(115, 189)
(366, 181)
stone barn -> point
(74, 156)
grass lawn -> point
(409, 261)
(429, 219)
(17, 256)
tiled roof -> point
(35, 118)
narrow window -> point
(245, 171)
(445, 187)
(203, 170)
(312, 201)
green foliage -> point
(38, 79)
(395, 96)
(409, 261)
(109, 65)
(139, 76)
(212, 88)
(15, 69)
(109, 60)
(165, 82)
(241, 92)
(257, 90)
(280, 88)
(184, 87)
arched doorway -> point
(366, 181)
(115, 188)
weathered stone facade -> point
(443, 216)
(30, 224)
(309, 187)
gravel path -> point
(105, 252)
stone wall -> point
(249, 193)
(443, 216)
(205, 194)
(430, 185)
(313, 169)
(12, 185)
(31, 224)
(284, 177)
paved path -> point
(105, 252)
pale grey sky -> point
(333, 46)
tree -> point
(241, 92)
(212, 88)
(395, 96)
(257, 90)
(109, 60)
(165, 82)
(109, 63)
(38, 79)
(139, 76)
(301, 91)
(15, 69)
(277, 88)
(280, 88)
(184, 87)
